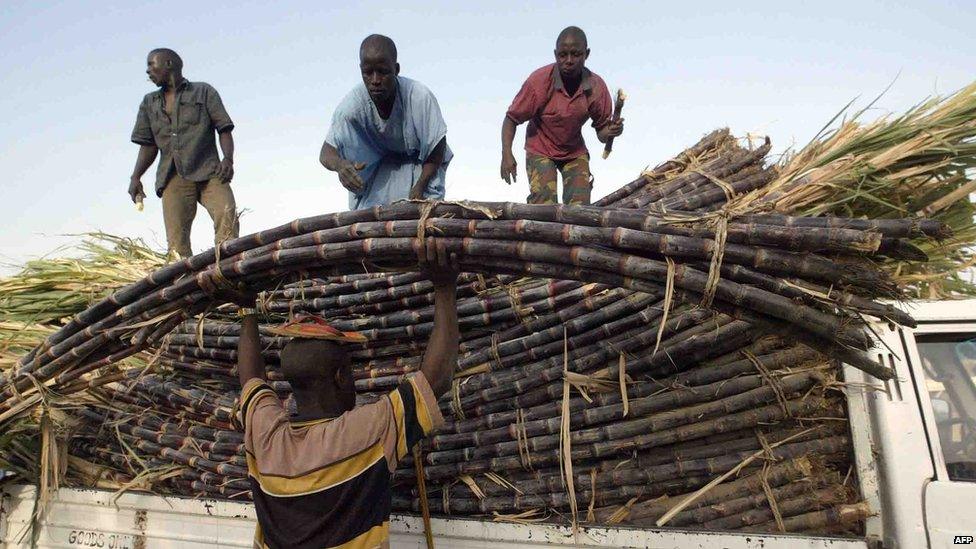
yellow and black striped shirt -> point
(326, 483)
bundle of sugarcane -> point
(34, 303)
(918, 163)
(196, 437)
(689, 429)
(589, 355)
(608, 363)
(177, 400)
(686, 329)
(41, 297)
(618, 247)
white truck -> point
(914, 441)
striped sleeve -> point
(253, 390)
(415, 412)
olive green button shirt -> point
(186, 140)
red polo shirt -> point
(556, 119)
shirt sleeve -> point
(527, 102)
(218, 114)
(331, 135)
(415, 413)
(341, 124)
(430, 126)
(142, 132)
(601, 107)
(261, 412)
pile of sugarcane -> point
(674, 435)
(648, 360)
(36, 302)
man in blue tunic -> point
(388, 139)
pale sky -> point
(73, 76)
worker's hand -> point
(509, 169)
(242, 296)
(613, 129)
(135, 190)
(226, 170)
(417, 191)
(440, 266)
(349, 175)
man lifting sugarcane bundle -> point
(322, 478)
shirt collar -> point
(586, 84)
(183, 85)
(307, 422)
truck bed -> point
(95, 518)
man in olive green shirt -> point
(178, 122)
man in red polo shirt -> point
(556, 101)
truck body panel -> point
(93, 518)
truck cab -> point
(914, 440)
(915, 435)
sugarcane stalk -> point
(768, 414)
(795, 505)
(634, 476)
(746, 440)
(839, 515)
(737, 398)
(778, 474)
(709, 142)
(618, 107)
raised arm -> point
(440, 357)
(250, 363)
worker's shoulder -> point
(202, 87)
(153, 94)
(352, 104)
(413, 88)
(596, 81)
(542, 75)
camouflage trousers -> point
(577, 180)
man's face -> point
(571, 54)
(379, 74)
(157, 70)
